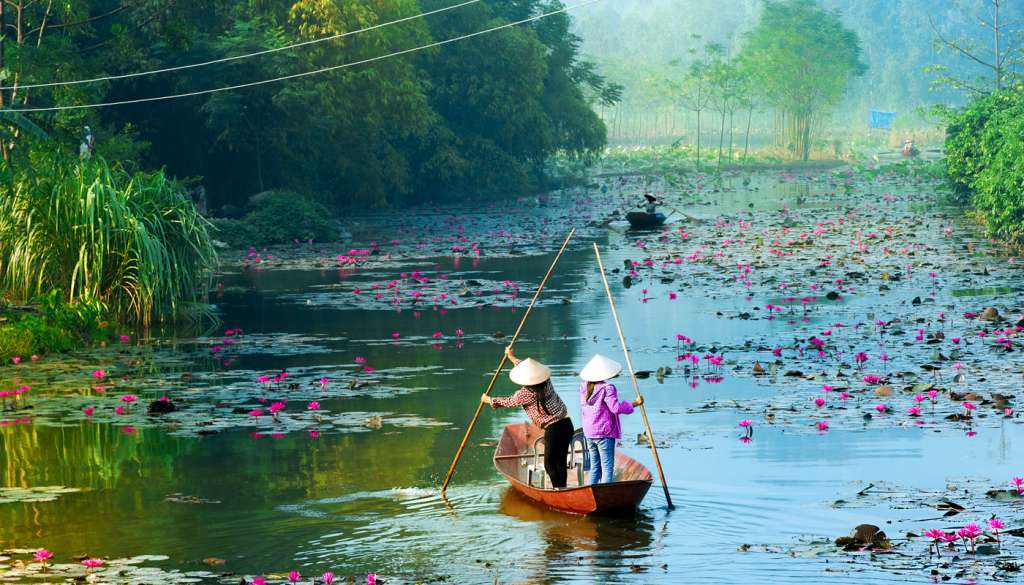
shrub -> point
(132, 244)
(965, 157)
(278, 217)
(985, 161)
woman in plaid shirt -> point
(545, 409)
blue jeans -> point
(602, 460)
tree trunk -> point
(806, 138)
(746, 141)
(998, 57)
(731, 128)
(721, 139)
(698, 138)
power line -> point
(237, 57)
(306, 73)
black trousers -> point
(557, 437)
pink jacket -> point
(601, 412)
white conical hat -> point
(600, 368)
(530, 372)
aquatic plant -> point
(42, 556)
(995, 524)
(970, 533)
(132, 242)
(937, 536)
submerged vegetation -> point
(132, 244)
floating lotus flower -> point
(43, 556)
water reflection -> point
(588, 547)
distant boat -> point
(516, 458)
(639, 220)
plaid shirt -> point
(527, 399)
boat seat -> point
(578, 459)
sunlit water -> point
(368, 501)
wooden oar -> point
(632, 375)
(689, 218)
(504, 358)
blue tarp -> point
(882, 119)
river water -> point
(266, 499)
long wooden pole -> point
(504, 358)
(632, 375)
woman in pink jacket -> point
(601, 410)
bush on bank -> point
(985, 161)
(278, 217)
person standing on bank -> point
(545, 408)
(601, 410)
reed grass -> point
(133, 242)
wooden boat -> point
(518, 459)
(639, 220)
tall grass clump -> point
(132, 242)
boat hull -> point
(640, 220)
(512, 460)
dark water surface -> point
(356, 502)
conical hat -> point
(530, 372)
(600, 368)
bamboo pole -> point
(504, 358)
(632, 375)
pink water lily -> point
(314, 405)
(43, 556)
(98, 374)
(371, 579)
(914, 411)
(327, 577)
(970, 532)
(995, 524)
(745, 423)
(822, 426)
(294, 576)
(1018, 482)
(92, 563)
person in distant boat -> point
(545, 408)
(601, 409)
(910, 149)
(651, 205)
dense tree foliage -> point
(473, 115)
(985, 150)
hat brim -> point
(600, 372)
(530, 374)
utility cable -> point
(304, 73)
(237, 57)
